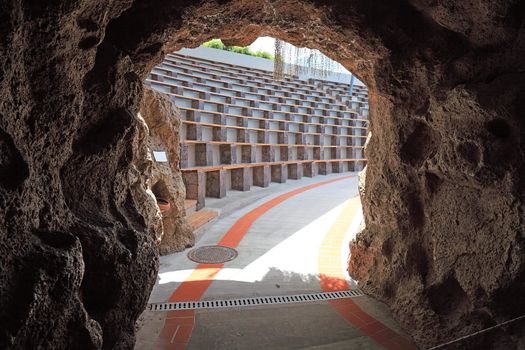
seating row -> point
(241, 128)
(215, 153)
(215, 181)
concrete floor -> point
(280, 254)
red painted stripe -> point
(235, 234)
(194, 287)
(176, 331)
(332, 279)
(198, 282)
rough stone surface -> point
(163, 120)
(443, 199)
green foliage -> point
(264, 54)
(217, 44)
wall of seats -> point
(242, 128)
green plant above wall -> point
(217, 44)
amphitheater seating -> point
(242, 128)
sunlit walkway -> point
(293, 240)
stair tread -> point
(201, 217)
(189, 203)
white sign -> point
(160, 156)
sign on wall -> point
(160, 156)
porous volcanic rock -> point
(443, 199)
(78, 256)
(163, 121)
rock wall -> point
(443, 191)
(163, 120)
(443, 197)
(78, 256)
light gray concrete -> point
(271, 230)
(148, 327)
(279, 255)
(276, 327)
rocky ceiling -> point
(443, 196)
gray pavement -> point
(279, 255)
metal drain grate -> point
(212, 254)
(255, 301)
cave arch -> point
(452, 70)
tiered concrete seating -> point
(241, 128)
(358, 101)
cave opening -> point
(443, 245)
(254, 127)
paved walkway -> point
(291, 239)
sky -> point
(266, 43)
(263, 43)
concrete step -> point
(190, 206)
(200, 218)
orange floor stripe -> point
(194, 287)
(196, 284)
(330, 272)
(333, 279)
(235, 234)
(176, 331)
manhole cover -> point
(212, 254)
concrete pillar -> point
(268, 154)
(216, 183)
(247, 111)
(286, 153)
(295, 171)
(241, 179)
(204, 95)
(261, 176)
(263, 136)
(279, 173)
(184, 156)
(282, 137)
(243, 135)
(324, 168)
(197, 104)
(301, 154)
(351, 166)
(337, 167)
(335, 153)
(227, 154)
(247, 154)
(193, 115)
(195, 186)
(193, 132)
(308, 169)
(223, 109)
(219, 134)
(317, 153)
(203, 154)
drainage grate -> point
(255, 301)
(212, 254)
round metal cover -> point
(212, 254)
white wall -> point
(254, 62)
